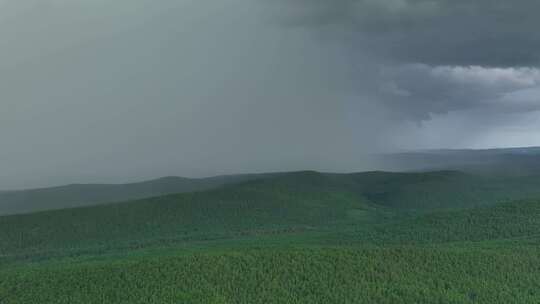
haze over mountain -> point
(79, 195)
(509, 161)
(507, 173)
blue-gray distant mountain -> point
(508, 161)
(79, 195)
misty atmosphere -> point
(301, 151)
(95, 92)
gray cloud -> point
(435, 32)
(421, 58)
(422, 90)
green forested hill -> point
(304, 237)
(296, 201)
(423, 190)
(442, 189)
(301, 201)
(519, 219)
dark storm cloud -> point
(435, 32)
(421, 58)
(422, 90)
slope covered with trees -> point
(288, 275)
(304, 237)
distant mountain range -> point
(80, 195)
(507, 161)
(520, 165)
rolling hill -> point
(298, 201)
(292, 201)
(414, 190)
(80, 195)
(301, 237)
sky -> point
(118, 91)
